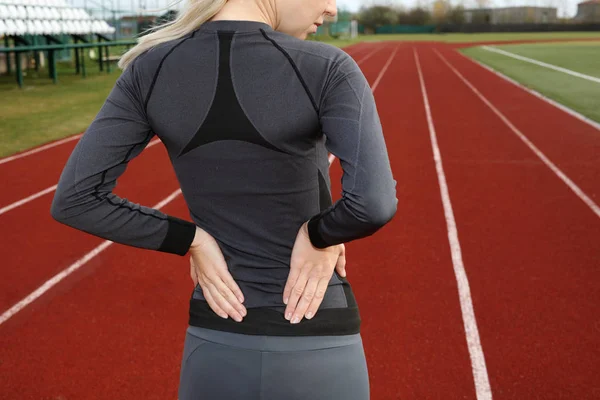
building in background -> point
(129, 26)
(588, 11)
(512, 15)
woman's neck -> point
(245, 10)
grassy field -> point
(579, 94)
(469, 37)
(41, 111)
(583, 57)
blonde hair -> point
(194, 14)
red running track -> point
(527, 239)
(115, 328)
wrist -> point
(198, 238)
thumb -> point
(193, 273)
(340, 266)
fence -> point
(405, 29)
(483, 28)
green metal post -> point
(83, 74)
(100, 57)
(36, 55)
(76, 57)
(52, 65)
(8, 65)
(19, 69)
(107, 60)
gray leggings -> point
(219, 365)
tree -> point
(419, 16)
(441, 9)
(376, 16)
(457, 15)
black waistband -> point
(266, 321)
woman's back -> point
(247, 114)
(244, 112)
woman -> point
(247, 111)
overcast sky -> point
(565, 7)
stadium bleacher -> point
(47, 17)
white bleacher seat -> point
(46, 27)
(47, 17)
(21, 12)
(56, 27)
(39, 28)
(21, 27)
(12, 11)
(11, 28)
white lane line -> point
(353, 50)
(379, 77)
(50, 189)
(480, 375)
(27, 199)
(38, 149)
(542, 64)
(584, 197)
(383, 71)
(69, 270)
(556, 104)
(365, 58)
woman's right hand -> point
(311, 269)
(209, 269)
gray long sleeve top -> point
(247, 115)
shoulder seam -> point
(360, 115)
(293, 64)
(155, 78)
(308, 52)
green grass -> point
(466, 37)
(583, 57)
(42, 112)
(579, 94)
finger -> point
(223, 303)
(193, 274)
(229, 296)
(296, 291)
(233, 286)
(291, 282)
(318, 299)
(213, 304)
(305, 299)
(340, 266)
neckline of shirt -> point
(235, 25)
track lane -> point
(574, 146)
(402, 276)
(528, 245)
(41, 247)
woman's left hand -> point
(209, 269)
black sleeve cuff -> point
(313, 233)
(180, 236)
